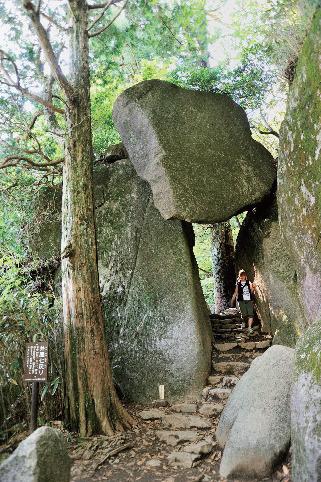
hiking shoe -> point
(250, 330)
(243, 325)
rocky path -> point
(177, 443)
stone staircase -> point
(189, 428)
(234, 349)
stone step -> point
(184, 407)
(215, 379)
(230, 368)
(219, 393)
(209, 409)
(185, 421)
(225, 346)
(176, 437)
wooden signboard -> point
(36, 362)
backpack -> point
(240, 290)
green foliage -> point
(202, 252)
(25, 316)
(247, 84)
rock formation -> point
(290, 240)
(254, 427)
(154, 310)
(153, 306)
(280, 246)
(41, 456)
(262, 252)
(306, 407)
(195, 150)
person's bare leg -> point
(250, 322)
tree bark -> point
(223, 259)
(92, 403)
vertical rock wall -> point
(299, 173)
(280, 244)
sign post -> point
(36, 366)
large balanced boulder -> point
(254, 427)
(195, 150)
(306, 408)
(40, 457)
(154, 312)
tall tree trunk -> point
(92, 403)
(223, 259)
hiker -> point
(243, 291)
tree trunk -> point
(92, 403)
(223, 259)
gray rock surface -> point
(155, 314)
(41, 457)
(176, 437)
(281, 242)
(185, 421)
(254, 427)
(202, 447)
(182, 459)
(189, 145)
(154, 311)
(306, 409)
(151, 414)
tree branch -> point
(165, 25)
(12, 161)
(35, 97)
(100, 16)
(53, 22)
(109, 24)
(31, 125)
(272, 132)
(48, 50)
(102, 5)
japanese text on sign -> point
(36, 362)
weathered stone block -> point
(185, 144)
(40, 457)
(254, 427)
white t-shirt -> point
(246, 291)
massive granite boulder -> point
(254, 427)
(154, 311)
(306, 408)
(195, 150)
(153, 306)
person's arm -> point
(234, 295)
(252, 287)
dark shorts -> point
(246, 308)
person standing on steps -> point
(244, 290)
